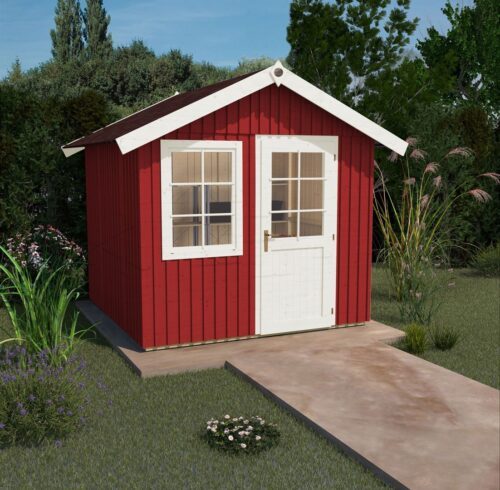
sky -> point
(219, 31)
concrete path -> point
(414, 423)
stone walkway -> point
(415, 424)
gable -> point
(175, 112)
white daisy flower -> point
(243, 445)
(258, 438)
(231, 438)
(227, 417)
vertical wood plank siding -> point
(205, 299)
(113, 235)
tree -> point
(15, 74)
(67, 43)
(338, 45)
(465, 58)
(95, 31)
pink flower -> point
(461, 151)
(411, 141)
(418, 154)
(431, 167)
(493, 176)
(480, 195)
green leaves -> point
(38, 308)
(337, 45)
(465, 59)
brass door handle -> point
(267, 236)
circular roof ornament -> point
(278, 72)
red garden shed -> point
(240, 209)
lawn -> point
(469, 302)
(149, 436)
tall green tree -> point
(67, 42)
(466, 58)
(95, 32)
(337, 45)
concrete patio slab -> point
(414, 423)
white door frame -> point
(259, 139)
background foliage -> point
(445, 94)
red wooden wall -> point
(204, 299)
(113, 235)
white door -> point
(296, 218)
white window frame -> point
(169, 252)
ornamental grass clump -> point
(38, 308)
(39, 401)
(241, 434)
(414, 227)
(415, 339)
(443, 337)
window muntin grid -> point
(203, 198)
(297, 182)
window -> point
(297, 194)
(201, 192)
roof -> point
(172, 113)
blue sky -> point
(219, 31)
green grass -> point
(472, 305)
(149, 437)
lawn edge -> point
(342, 446)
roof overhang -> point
(276, 74)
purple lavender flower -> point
(58, 443)
(2, 426)
(23, 412)
(60, 410)
(32, 398)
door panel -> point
(296, 220)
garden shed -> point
(239, 209)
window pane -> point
(218, 230)
(284, 165)
(284, 225)
(186, 232)
(311, 194)
(186, 199)
(284, 195)
(311, 223)
(217, 166)
(311, 164)
(218, 199)
(186, 166)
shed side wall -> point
(198, 300)
(113, 235)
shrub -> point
(37, 307)
(39, 401)
(487, 261)
(413, 226)
(444, 337)
(49, 247)
(415, 339)
(241, 434)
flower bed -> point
(241, 434)
(40, 401)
